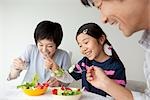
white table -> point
(12, 93)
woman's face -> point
(46, 47)
(89, 46)
(126, 14)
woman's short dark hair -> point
(50, 31)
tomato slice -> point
(54, 91)
(68, 88)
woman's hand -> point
(53, 82)
(50, 64)
(19, 64)
(96, 77)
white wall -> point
(18, 19)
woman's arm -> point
(17, 66)
(20, 63)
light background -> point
(18, 19)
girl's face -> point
(89, 46)
(126, 14)
(46, 47)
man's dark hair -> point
(87, 2)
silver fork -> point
(79, 71)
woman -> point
(48, 36)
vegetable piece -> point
(30, 85)
(59, 72)
(65, 91)
(54, 91)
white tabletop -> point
(12, 93)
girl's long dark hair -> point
(96, 32)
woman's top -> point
(35, 63)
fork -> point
(79, 71)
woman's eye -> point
(50, 46)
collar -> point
(145, 40)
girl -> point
(48, 36)
(92, 40)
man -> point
(130, 16)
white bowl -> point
(73, 97)
(68, 97)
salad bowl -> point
(65, 93)
(34, 91)
(34, 88)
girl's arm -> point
(66, 78)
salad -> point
(65, 91)
(58, 73)
(34, 84)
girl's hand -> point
(96, 77)
(19, 64)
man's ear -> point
(102, 39)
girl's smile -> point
(89, 46)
